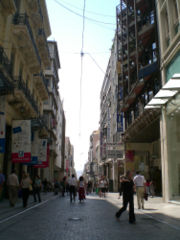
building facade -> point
(24, 55)
(138, 55)
(69, 166)
(168, 97)
(29, 98)
(52, 110)
(111, 122)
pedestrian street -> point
(93, 219)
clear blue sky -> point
(66, 29)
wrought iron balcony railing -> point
(43, 79)
(19, 84)
(22, 19)
(42, 34)
(5, 61)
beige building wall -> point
(24, 56)
(169, 35)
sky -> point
(82, 113)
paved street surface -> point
(56, 218)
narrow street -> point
(94, 219)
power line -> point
(95, 62)
(81, 76)
(87, 18)
(91, 12)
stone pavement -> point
(154, 208)
(7, 211)
(58, 219)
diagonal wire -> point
(95, 62)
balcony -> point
(49, 108)
(6, 82)
(43, 48)
(41, 85)
(24, 35)
(22, 100)
(8, 6)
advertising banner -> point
(43, 155)
(21, 141)
(34, 148)
(2, 124)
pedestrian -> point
(56, 187)
(81, 188)
(128, 197)
(139, 182)
(2, 181)
(13, 187)
(26, 188)
(102, 186)
(63, 184)
(37, 188)
(89, 187)
(72, 187)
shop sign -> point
(2, 124)
(21, 141)
(115, 154)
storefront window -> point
(173, 140)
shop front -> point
(171, 149)
(168, 100)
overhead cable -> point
(87, 18)
(95, 62)
(81, 75)
(91, 12)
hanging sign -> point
(43, 155)
(34, 148)
(2, 124)
(21, 141)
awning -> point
(166, 93)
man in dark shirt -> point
(128, 197)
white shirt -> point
(13, 180)
(72, 181)
(139, 180)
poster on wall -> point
(34, 148)
(43, 155)
(21, 141)
(2, 124)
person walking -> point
(81, 187)
(72, 187)
(37, 188)
(63, 185)
(102, 186)
(128, 197)
(139, 182)
(13, 186)
(25, 185)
